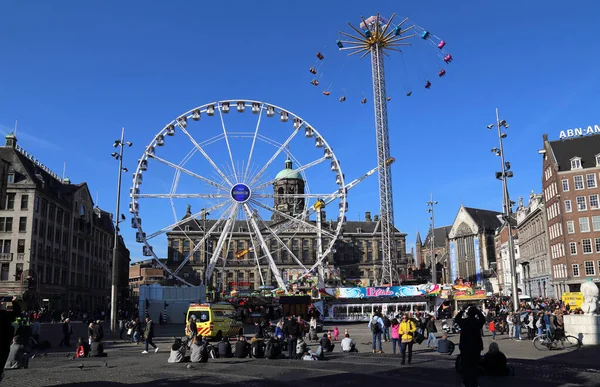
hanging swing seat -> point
(312, 70)
(320, 56)
(427, 84)
(327, 93)
(315, 82)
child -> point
(346, 332)
(329, 336)
(336, 333)
(493, 329)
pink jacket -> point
(395, 334)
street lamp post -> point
(205, 254)
(431, 205)
(113, 290)
(504, 175)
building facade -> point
(146, 272)
(356, 256)
(503, 269)
(534, 247)
(471, 250)
(571, 170)
(440, 251)
(55, 244)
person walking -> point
(149, 334)
(471, 322)
(67, 330)
(406, 331)
(431, 331)
(376, 326)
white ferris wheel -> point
(225, 158)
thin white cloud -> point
(26, 139)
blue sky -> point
(73, 73)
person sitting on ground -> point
(326, 343)
(494, 362)
(97, 349)
(17, 357)
(83, 348)
(309, 355)
(242, 348)
(199, 351)
(301, 348)
(347, 344)
(177, 354)
(445, 346)
(224, 348)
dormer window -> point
(11, 177)
(187, 228)
(598, 160)
(576, 162)
(359, 230)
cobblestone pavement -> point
(125, 365)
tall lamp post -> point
(205, 254)
(113, 289)
(431, 204)
(504, 175)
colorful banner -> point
(453, 270)
(477, 260)
(469, 294)
(390, 291)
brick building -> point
(570, 177)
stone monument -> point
(586, 326)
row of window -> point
(553, 211)
(532, 229)
(559, 271)
(555, 230)
(589, 268)
(550, 192)
(586, 246)
(6, 224)
(576, 162)
(580, 183)
(581, 202)
(584, 224)
(9, 204)
(557, 250)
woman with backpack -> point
(376, 326)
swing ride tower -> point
(377, 36)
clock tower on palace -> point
(288, 183)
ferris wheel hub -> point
(241, 193)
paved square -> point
(126, 365)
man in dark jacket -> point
(431, 331)
(98, 332)
(224, 348)
(471, 322)
(242, 348)
(149, 335)
(7, 330)
(291, 331)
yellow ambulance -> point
(216, 320)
